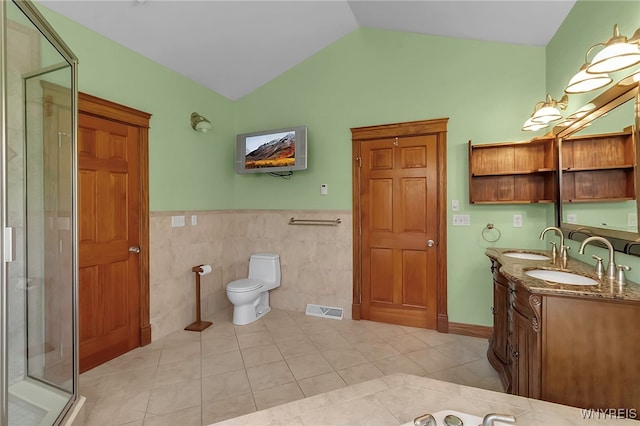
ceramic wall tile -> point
(316, 261)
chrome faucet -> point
(489, 419)
(611, 267)
(563, 248)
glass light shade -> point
(546, 114)
(632, 79)
(615, 57)
(584, 82)
(530, 126)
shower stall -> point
(38, 294)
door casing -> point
(103, 108)
(360, 135)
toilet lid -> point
(241, 286)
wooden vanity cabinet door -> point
(525, 342)
(500, 323)
(498, 352)
(525, 358)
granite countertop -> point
(514, 269)
(399, 398)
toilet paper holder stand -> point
(198, 324)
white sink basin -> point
(525, 256)
(561, 277)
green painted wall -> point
(188, 170)
(368, 77)
(591, 22)
(373, 77)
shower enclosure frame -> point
(29, 10)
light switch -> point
(194, 219)
(177, 221)
(455, 205)
(324, 189)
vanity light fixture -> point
(530, 126)
(619, 53)
(632, 79)
(582, 111)
(583, 81)
(199, 123)
(550, 110)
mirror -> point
(598, 160)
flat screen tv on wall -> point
(279, 151)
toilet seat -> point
(244, 285)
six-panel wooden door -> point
(399, 230)
(108, 191)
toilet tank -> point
(265, 267)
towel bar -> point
(321, 222)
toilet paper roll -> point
(206, 269)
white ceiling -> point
(234, 47)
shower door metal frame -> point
(33, 14)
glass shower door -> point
(39, 211)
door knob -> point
(134, 249)
(431, 243)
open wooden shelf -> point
(599, 167)
(512, 172)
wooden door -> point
(401, 235)
(111, 298)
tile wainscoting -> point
(316, 261)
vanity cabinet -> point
(565, 348)
(525, 355)
(499, 352)
(599, 167)
(512, 172)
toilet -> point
(250, 296)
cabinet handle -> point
(493, 310)
(516, 354)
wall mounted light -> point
(619, 53)
(199, 123)
(530, 126)
(550, 110)
(583, 81)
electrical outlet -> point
(324, 189)
(461, 220)
(572, 218)
(517, 221)
(455, 205)
(632, 220)
(194, 219)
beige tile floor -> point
(190, 378)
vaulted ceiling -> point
(234, 47)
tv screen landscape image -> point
(272, 151)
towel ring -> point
(490, 227)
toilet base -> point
(246, 314)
